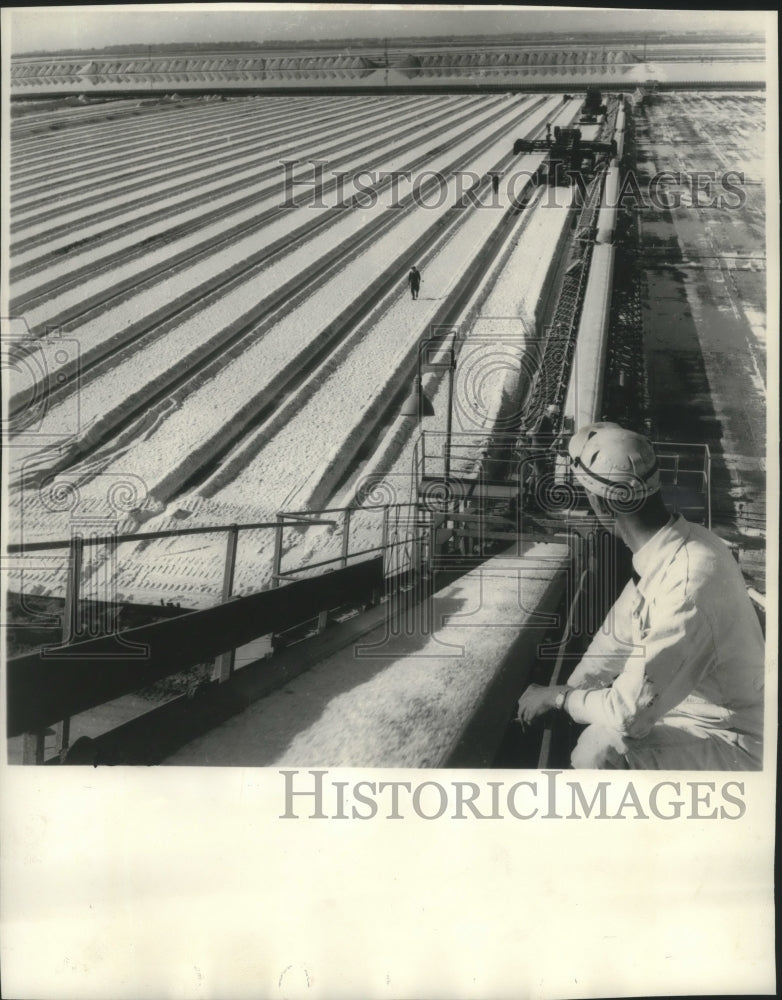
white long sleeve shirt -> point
(683, 645)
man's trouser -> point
(671, 745)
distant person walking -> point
(414, 279)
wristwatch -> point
(559, 701)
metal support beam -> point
(277, 559)
(346, 537)
(449, 415)
(33, 748)
(63, 731)
(224, 665)
(71, 623)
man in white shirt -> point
(674, 678)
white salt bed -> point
(62, 241)
(489, 368)
(525, 263)
(501, 365)
(366, 530)
(251, 506)
(71, 210)
(106, 139)
(101, 400)
(207, 411)
(407, 705)
(54, 513)
(509, 312)
(520, 291)
(320, 429)
(121, 150)
(263, 202)
(252, 144)
(186, 136)
(96, 228)
(345, 396)
(188, 569)
(27, 151)
(146, 301)
(245, 167)
(262, 495)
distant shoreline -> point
(526, 40)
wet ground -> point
(703, 280)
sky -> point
(61, 27)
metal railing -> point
(338, 518)
(685, 471)
(685, 476)
(49, 685)
(73, 625)
(403, 543)
(393, 517)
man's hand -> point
(535, 701)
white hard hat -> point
(614, 463)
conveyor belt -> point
(406, 697)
